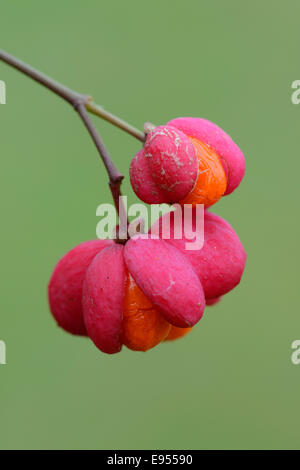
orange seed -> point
(211, 180)
(176, 333)
(143, 326)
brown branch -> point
(70, 95)
(113, 173)
(81, 103)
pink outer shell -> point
(167, 279)
(211, 302)
(102, 301)
(65, 286)
(166, 170)
(209, 133)
(142, 182)
(220, 263)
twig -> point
(118, 122)
(115, 177)
(70, 95)
(64, 92)
(81, 104)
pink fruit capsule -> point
(167, 279)
(102, 299)
(65, 286)
(211, 302)
(210, 134)
(220, 263)
(165, 171)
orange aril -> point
(176, 332)
(211, 180)
(143, 325)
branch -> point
(115, 177)
(116, 121)
(81, 104)
(56, 87)
(70, 95)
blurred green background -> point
(230, 383)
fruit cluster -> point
(151, 289)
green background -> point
(230, 383)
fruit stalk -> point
(115, 120)
(115, 177)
